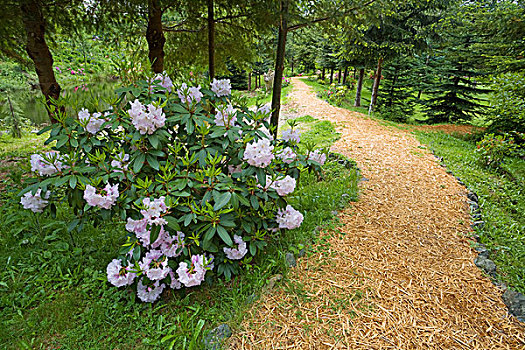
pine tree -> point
(396, 99)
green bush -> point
(508, 103)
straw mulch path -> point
(398, 273)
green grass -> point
(54, 293)
(366, 93)
(502, 201)
(320, 132)
(253, 98)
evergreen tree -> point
(396, 99)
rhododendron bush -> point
(197, 183)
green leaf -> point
(136, 253)
(222, 200)
(224, 235)
(209, 234)
(154, 140)
(253, 248)
(154, 233)
(73, 181)
(255, 202)
(139, 162)
(153, 162)
(172, 222)
(72, 225)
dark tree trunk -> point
(359, 87)
(38, 51)
(258, 80)
(331, 75)
(155, 36)
(250, 81)
(292, 65)
(339, 77)
(211, 40)
(355, 71)
(279, 66)
(375, 87)
(323, 75)
(345, 75)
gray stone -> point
(485, 264)
(472, 196)
(478, 224)
(482, 251)
(334, 212)
(273, 281)
(515, 301)
(215, 338)
(302, 253)
(364, 179)
(290, 260)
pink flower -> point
(289, 218)
(236, 253)
(119, 275)
(149, 294)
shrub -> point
(199, 183)
(492, 149)
(508, 102)
(337, 94)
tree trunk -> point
(345, 74)
(38, 51)
(359, 87)
(292, 65)
(211, 40)
(250, 81)
(155, 36)
(331, 75)
(355, 71)
(339, 77)
(323, 75)
(258, 80)
(375, 87)
(420, 90)
(279, 66)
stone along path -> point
(400, 273)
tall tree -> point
(155, 36)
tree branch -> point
(317, 20)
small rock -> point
(482, 251)
(515, 301)
(301, 253)
(216, 336)
(472, 196)
(364, 179)
(334, 212)
(485, 264)
(290, 260)
(251, 298)
(478, 224)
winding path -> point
(399, 274)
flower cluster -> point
(48, 164)
(287, 155)
(226, 116)
(239, 252)
(317, 156)
(291, 135)
(92, 122)
(289, 218)
(119, 275)
(284, 186)
(35, 202)
(120, 162)
(165, 81)
(193, 274)
(189, 95)
(259, 153)
(106, 197)
(146, 119)
(221, 87)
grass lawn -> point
(53, 287)
(252, 98)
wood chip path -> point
(400, 273)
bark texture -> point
(375, 88)
(279, 66)
(359, 87)
(211, 40)
(38, 51)
(155, 36)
